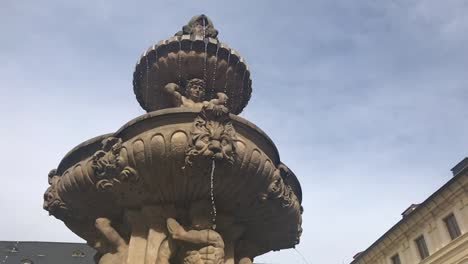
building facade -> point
(435, 231)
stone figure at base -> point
(110, 244)
(199, 237)
(198, 244)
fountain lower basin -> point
(144, 164)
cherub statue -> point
(198, 245)
(199, 25)
(194, 97)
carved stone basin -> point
(183, 57)
(144, 164)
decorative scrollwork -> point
(52, 201)
(278, 190)
(110, 167)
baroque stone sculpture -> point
(190, 181)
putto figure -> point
(194, 95)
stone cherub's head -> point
(196, 90)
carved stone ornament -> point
(109, 167)
(213, 135)
(199, 25)
(281, 192)
(52, 201)
(278, 190)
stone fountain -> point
(190, 181)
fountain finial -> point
(199, 25)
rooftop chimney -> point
(460, 167)
(409, 210)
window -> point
(396, 259)
(452, 226)
(78, 254)
(422, 247)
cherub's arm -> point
(221, 100)
(172, 90)
(218, 105)
(198, 237)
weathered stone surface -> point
(189, 183)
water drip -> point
(179, 59)
(241, 93)
(227, 68)
(213, 91)
(140, 82)
(302, 256)
(213, 204)
(156, 90)
(233, 92)
(205, 40)
(147, 82)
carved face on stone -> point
(196, 90)
(49, 199)
(215, 140)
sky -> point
(365, 101)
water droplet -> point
(213, 204)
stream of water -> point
(213, 204)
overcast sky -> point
(365, 100)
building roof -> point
(462, 170)
(45, 253)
